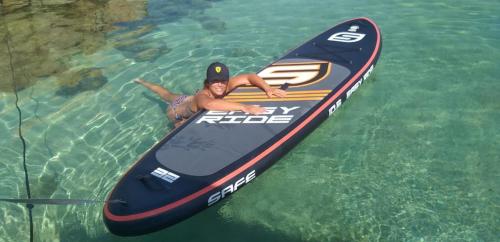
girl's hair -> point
(205, 82)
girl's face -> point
(218, 88)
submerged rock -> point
(151, 54)
(86, 79)
(212, 24)
(131, 34)
(166, 11)
(47, 184)
(44, 35)
(141, 50)
(131, 45)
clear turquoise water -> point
(413, 156)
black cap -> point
(217, 72)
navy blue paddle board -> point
(214, 153)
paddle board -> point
(215, 153)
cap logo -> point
(218, 69)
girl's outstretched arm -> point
(164, 93)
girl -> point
(216, 86)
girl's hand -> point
(138, 80)
(251, 109)
(275, 92)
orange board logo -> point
(295, 74)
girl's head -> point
(217, 78)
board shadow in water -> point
(207, 225)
